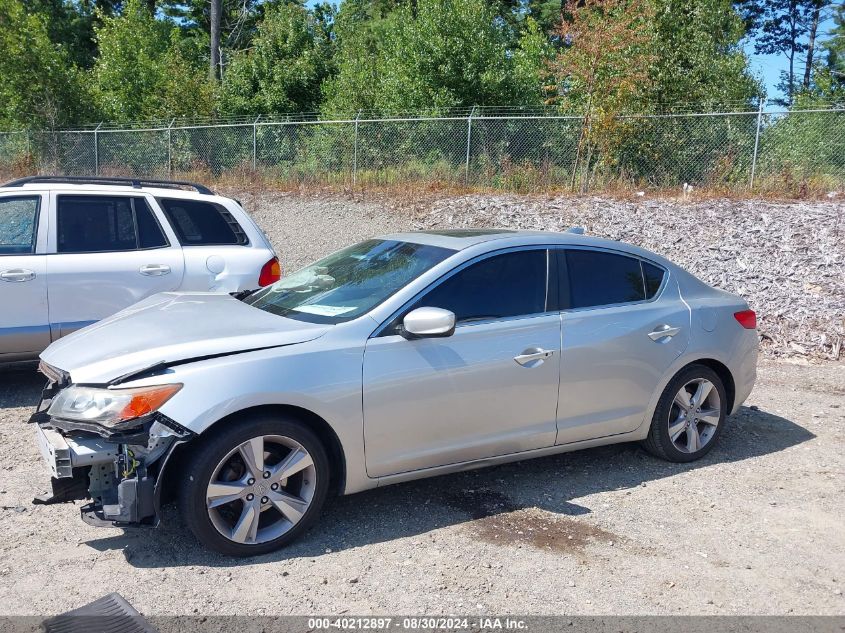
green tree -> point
(698, 60)
(145, 70)
(787, 28)
(434, 55)
(828, 76)
(40, 87)
(283, 70)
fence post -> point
(170, 148)
(255, 143)
(355, 152)
(97, 149)
(469, 141)
(756, 143)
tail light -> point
(747, 319)
(271, 272)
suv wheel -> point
(255, 486)
(689, 416)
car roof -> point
(460, 239)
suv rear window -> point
(96, 224)
(597, 278)
(18, 225)
(200, 223)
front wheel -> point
(689, 416)
(255, 486)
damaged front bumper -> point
(120, 472)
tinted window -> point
(149, 232)
(597, 278)
(653, 278)
(201, 223)
(18, 224)
(512, 284)
(91, 224)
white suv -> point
(76, 250)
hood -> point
(172, 327)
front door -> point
(24, 321)
(107, 252)
(625, 325)
(489, 389)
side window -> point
(653, 276)
(598, 278)
(96, 224)
(507, 285)
(18, 224)
(200, 223)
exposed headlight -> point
(110, 407)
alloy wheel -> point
(694, 415)
(261, 489)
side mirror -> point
(429, 322)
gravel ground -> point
(753, 528)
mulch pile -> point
(787, 259)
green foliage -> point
(283, 70)
(434, 55)
(39, 86)
(698, 60)
(145, 70)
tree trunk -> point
(814, 27)
(214, 66)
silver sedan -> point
(401, 357)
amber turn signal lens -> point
(147, 401)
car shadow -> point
(485, 500)
(20, 385)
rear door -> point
(106, 253)
(624, 323)
(24, 321)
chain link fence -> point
(516, 152)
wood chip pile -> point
(786, 259)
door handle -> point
(533, 356)
(17, 274)
(663, 331)
(154, 270)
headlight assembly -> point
(110, 407)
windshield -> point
(348, 283)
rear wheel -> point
(255, 486)
(689, 416)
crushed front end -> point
(118, 466)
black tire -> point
(208, 454)
(659, 442)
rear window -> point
(598, 278)
(18, 224)
(199, 223)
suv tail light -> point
(747, 319)
(271, 272)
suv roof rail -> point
(137, 183)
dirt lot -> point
(754, 528)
